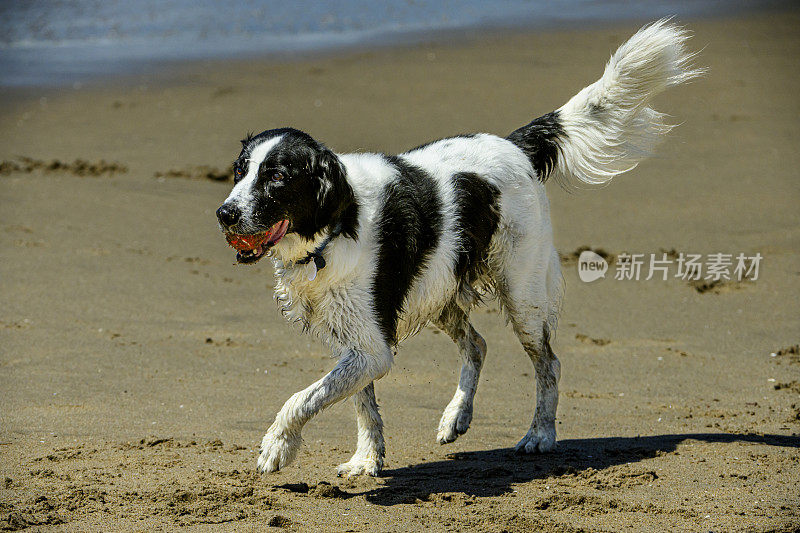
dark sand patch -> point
(77, 167)
(197, 173)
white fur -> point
(609, 124)
(608, 127)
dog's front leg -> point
(370, 451)
(352, 373)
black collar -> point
(316, 254)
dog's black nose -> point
(228, 214)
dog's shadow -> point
(492, 472)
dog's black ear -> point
(335, 197)
(333, 186)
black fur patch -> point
(478, 214)
(540, 142)
(409, 228)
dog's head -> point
(284, 182)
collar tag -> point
(311, 270)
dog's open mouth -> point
(253, 247)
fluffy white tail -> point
(608, 126)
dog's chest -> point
(339, 312)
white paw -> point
(359, 465)
(538, 441)
(277, 450)
(454, 422)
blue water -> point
(54, 42)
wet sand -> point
(139, 366)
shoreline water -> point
(61, 55)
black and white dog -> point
(368, 248)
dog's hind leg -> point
(472, 348)
(541, 436)
(353, 372)
(531, 293)
(370, 451)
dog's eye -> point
(276, 176)
(238, 173)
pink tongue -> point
(278, 230)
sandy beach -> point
(140, 366)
